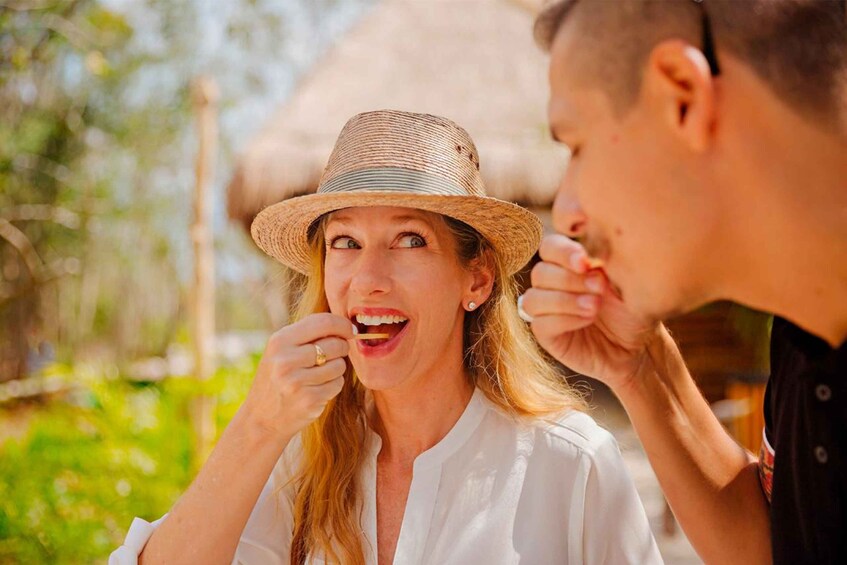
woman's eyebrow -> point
(338, 220)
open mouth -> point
(391, 325)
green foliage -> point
(110, 451)
(78, 141)
(97, 149)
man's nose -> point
(568, 217)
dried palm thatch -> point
(473, 61)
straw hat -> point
(392, 158)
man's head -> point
(667, 106)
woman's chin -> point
(377, 380)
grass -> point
(96, 457)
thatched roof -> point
(473, 61)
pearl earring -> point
(471, 305)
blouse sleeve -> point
(136, 538)
(616, 529)
(266, 537)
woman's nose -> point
(371, 275)
(568, 217)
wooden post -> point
(202, 297)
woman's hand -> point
(288, 393)
(579, 320)
(290, 390)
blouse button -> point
(821, 455)
(823, 393)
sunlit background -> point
(128, 339)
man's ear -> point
(679, 87)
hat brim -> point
(282, 230)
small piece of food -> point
(594, 263)
(371, 336)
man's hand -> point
(578, 318)
(711, 482)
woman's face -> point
(397, 271)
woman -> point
(444, 438)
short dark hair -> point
(798, 47)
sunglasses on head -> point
(708, 39)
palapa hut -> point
(474, 61)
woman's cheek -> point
(333, 286)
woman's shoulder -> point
(570, 444)
(572, 433)
(576, 429)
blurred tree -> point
(40, 141)
(96, 161)
(75, 157)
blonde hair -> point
(501, 358)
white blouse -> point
(495, 490)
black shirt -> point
(806, 425)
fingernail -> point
(578, 262)
(594, 284)
(355, 330)
(587, 302)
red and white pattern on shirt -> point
(766, 457)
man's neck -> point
(789, 215)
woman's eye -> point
(344, 242)
(412, 240)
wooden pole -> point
(202, 298)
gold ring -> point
(320, 356)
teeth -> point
(379, 320)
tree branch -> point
(24, 246)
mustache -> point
(595, 246)
(600, 248)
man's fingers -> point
(539, 302)
(553, 326)
(564, 252)
(551, 276)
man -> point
(708, 161)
